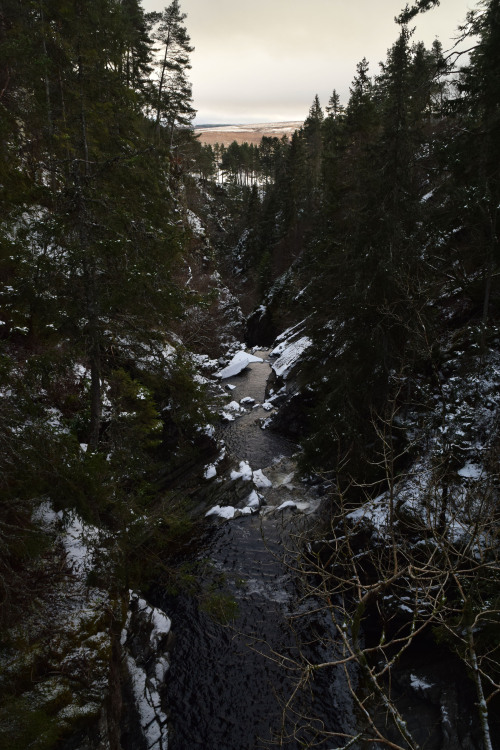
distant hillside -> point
(253, 133)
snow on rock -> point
(278, 349)
(210, 472)
(245, 472)
(211, 469)
(231, 410)
(427, 196)
(260, 480)
(418, 683)
(267, 406)
(238, 363)
(204, 362)
(143, 640)
(226, 512)
(289, 355)
(208, 430)
(471, 471)
(161, 626)
(286, 504)
(291, 332)
(253, 500)
(247, 400)
(195, 224)
(73, 684)
(374, 511)
(80, 542)
(234, 406)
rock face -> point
(145, 641)
(291, 418)
(261, 330)
(283, 388)
(59, 674)
(434, 694)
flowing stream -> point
(226, 683)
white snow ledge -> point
(238, 363)
(289, 356)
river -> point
(227, 683)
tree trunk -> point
(89, 272)
(476, 675)
(160, 86)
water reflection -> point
(244, 437)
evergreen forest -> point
(135, 262)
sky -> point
(264, 60)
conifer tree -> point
(134, 44)
(480, 143)
(173, 91)
(334, 107)
(313, 139)
(103, 239)
(361, 107)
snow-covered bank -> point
(144, 641)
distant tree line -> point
(243, 164)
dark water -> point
(227, 683)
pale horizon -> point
(266, 64)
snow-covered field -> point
(250, 133)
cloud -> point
(275, 55)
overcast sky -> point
(264, 60)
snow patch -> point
(289, 355)
(286, 504)
(195, 224)
(260, 480)
(245, 472)
(253, 500)
(147, 681)
(419, 683)
(226, 512)
(210, 472)
(471, 471)
(238, 363)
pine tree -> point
(334, 107)
(134, 48)
(173, 91)
(102, 238)
(313, 140)
(360, 110)
(479, 144)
